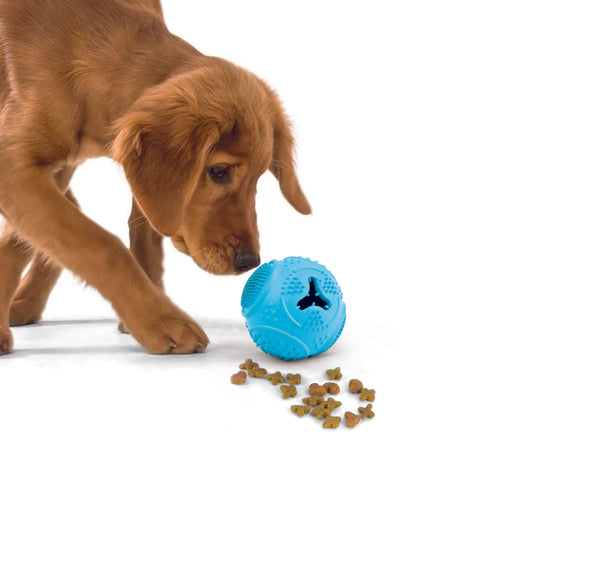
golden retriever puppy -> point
(82, 79)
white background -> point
(450, 151)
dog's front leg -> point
(38, 211)
(146, 245)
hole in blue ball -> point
(314, 297)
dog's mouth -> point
(212, 262)
(179, 244)
(209, 258)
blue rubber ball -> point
(294, 308)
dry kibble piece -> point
(351, 419)
(332, 404)
(320, 412)
(332, 388)
(276, 378)
(332, 422)
(257, 372)
(334, 373)
(367, 395)
(355, 386)
(300, 410)
(366, 411)
(313, 401)
(248, 365)
(294, 379)
(288, 391)
(316, 390)
(239, 378)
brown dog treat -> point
(257, 372)
(366, 411)
(334, 373)
(367, 395)
(332, 404)
(320, 412)
(332, 422)
(300, 410)
(313, 401)
(239, 378)
(351, 419)
(317, 390)
(294, 379)
(276, 378)
(355, 386)
(332, 388)
(248, 364)
(288, 391)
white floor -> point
(162, 468)
(169, 470)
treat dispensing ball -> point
(293, 308)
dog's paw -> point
(24, 312)
(170, 331)
(122, 328)
(6, 340)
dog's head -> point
(193, 149)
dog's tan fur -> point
(81, 79)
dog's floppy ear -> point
(283, 166)
(163, 154)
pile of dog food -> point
(316, 403)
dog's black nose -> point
(244, 261)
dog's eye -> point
(220, 174)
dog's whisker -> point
(203, 256)
(137, 222)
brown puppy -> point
(82, 79)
